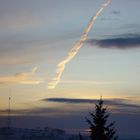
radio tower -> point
(9, 114)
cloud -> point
(70, 100)
(117, 105)
(87, 82)
(74, 107)
(21, 78)
(32, 111)
(119, 102)
(122, 42)
(116, 12)
(54, 112)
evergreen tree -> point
(80, 137)
(99, 129)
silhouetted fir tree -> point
(80, 137)
(99, 129)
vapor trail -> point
(72, 53)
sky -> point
(35, 35)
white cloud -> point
(87, 82)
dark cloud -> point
(70, 100)
(73, 107)
(119, 103)
(116, 12)
(118, 42)
(42, 111)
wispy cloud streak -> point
(88, 82)
(22, 78)
(61, 66)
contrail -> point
(72, 53)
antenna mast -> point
(9, 113)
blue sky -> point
(36, 35)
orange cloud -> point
(22, 78)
